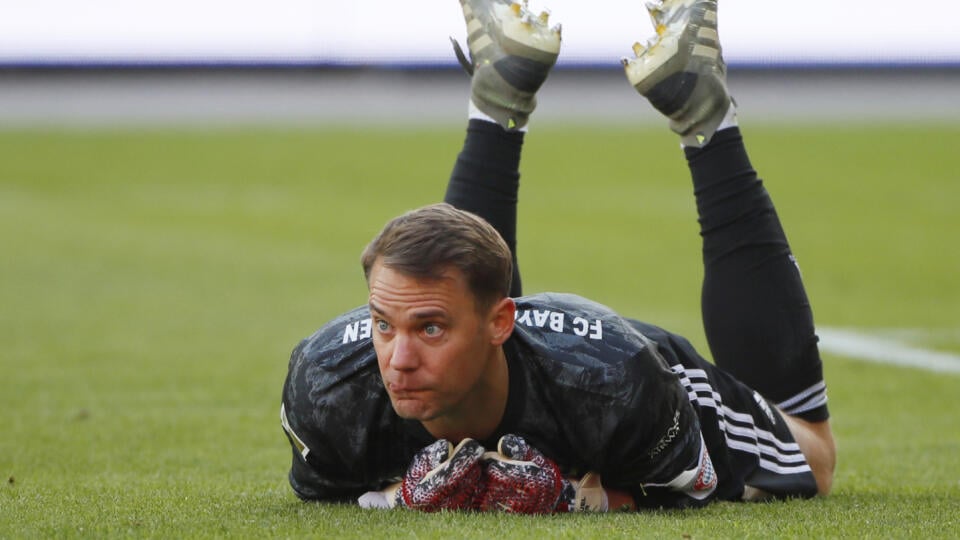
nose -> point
(404, 356)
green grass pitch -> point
(152, 284)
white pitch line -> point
(885, 350)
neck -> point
(481, 411)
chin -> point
(413, 411)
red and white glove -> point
(440, 477)
(522, 480)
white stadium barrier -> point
(382, 32)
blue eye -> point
(383, 326)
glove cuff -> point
(584, 495)
(393, 495)
(385, 498)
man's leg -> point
(756, 315)
(486, 181)
(511, 54)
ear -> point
(502, 316)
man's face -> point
(432, 345)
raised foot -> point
(512, 50)
(680, 69)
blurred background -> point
(185, 188)
(107, 62)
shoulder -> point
(572, 326)
(590, 376)
(346, 436)
(337, 345)
(582, 343)
(333, 381)
(340, 351)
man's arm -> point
(658, 453)
(345, 440)
(620, 501)
(307, 482)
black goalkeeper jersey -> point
(588, 388)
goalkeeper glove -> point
(522, 480)
(440, 477)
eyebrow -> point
(420, 315)
(430, 314)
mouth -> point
(403, 391)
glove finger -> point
(428, 459)
(454, 484)
(520, 487)
(516, 447)
(520, 479)
(461, 462)
(513, 447)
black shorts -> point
(748, 439)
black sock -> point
(486, 179)
(756, 315)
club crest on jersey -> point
(707, 478)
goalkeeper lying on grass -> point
(450, 390)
